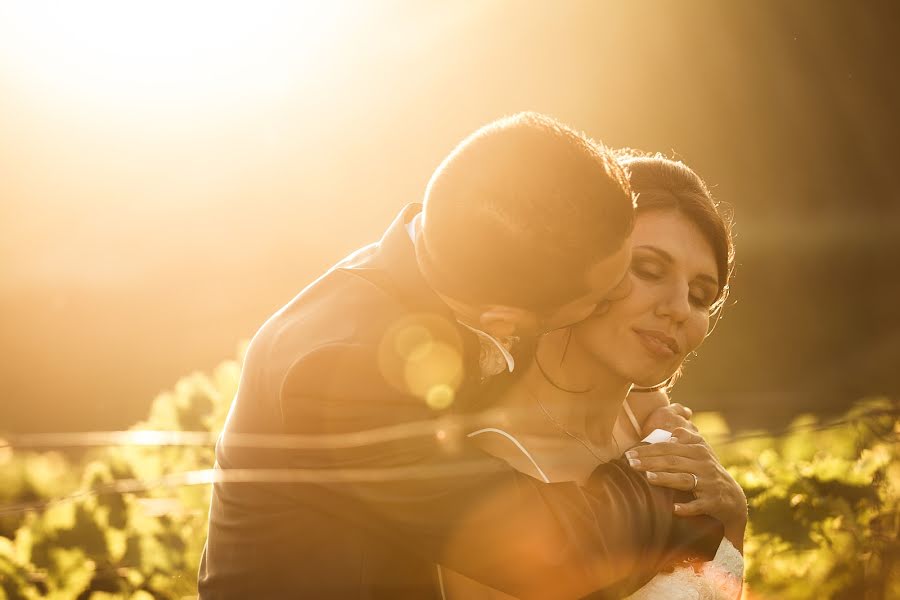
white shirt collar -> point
(412, 229)
(510, 360)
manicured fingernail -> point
(677, 508)
(651, 475)
(631, 454)
(634, 462)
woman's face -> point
(646, 336)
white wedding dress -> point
(720, 579)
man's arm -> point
(437, 495)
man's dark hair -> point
(518, 213)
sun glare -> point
(159, 52)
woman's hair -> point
(662, 183)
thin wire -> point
(734, 438)
(155, 438)
(219, 475)
(209, 476)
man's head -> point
(525, 226)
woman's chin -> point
(646, 372)
(651, 379)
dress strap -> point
(518, 445)
(631, 417)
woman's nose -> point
(675, 303)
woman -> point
(566, 410)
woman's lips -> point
(657, 343)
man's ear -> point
(503, 321)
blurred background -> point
(170, 175)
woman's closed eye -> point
(702, 298)
(648, 269)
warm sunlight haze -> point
(198, 394)
(119, 56)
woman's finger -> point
(691, 509)
(668, 417)
(687, 436)
(676, 481)
(668, 463)
(695, 451)
(682, 410)
(690, 425)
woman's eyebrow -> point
(670, 259)
(662, 253)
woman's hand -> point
(669, 417)
(689, 464)
(653, 411)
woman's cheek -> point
(697, 332)
(596, 335)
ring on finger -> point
(696, 481)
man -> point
(376, 367)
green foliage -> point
(823, 501)
(96, 546)
(823, 507)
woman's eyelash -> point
(702, 300)
(652, 271)
(645, 270)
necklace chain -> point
(562, 428)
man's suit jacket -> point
(369, 346)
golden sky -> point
(172, 172)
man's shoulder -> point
(366, 358)
(337, 309)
